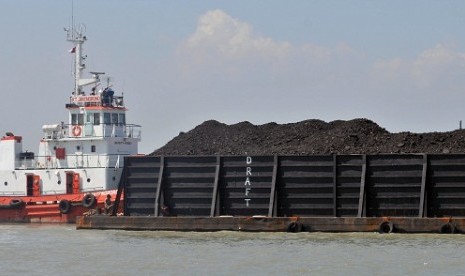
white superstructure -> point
(83, 155)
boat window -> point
(96, 118)
(89, 118)
(77, 119)
(74, 119)
(122, 118)
(80, 119)
(107, 118)
(114, 118)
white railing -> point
(94, 131)
(71, 162)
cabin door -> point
(30, 181)
(76, 183)
(33, 185)
(36, 185)
(72, 183)
(69, 182)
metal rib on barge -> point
(334, 193)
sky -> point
(180, 63)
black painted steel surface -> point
(384, 185)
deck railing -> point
(71, 162)
(93, 131)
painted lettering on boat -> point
(82, 99)
(248, 172)
(122, 143)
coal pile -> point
(358, 136)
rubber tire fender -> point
(89, 201)
(64, 206)
(16, 203)
(294, 227)
(386, 227)
(448, 228)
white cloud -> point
(437, 64)
(441, 65)
(233, 51)
(220, 38)
(218, 33)
(226, 63)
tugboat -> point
(79, 163)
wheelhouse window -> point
(96, 118)
(114, 118)
(77, 119)
(107, 118)
(89, 118)
(93, 118)
(122, 118)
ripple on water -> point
(53, 249)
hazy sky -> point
(180, 63)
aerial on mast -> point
(77, 37)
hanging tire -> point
(89, 201)
(448, 228)
(16, 203)
(294, 227)
(386, 227)
(64, 206)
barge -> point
(335, 193)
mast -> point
(78, 38)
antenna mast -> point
(77, 37)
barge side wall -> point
(345, 186)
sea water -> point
(62, 250)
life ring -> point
(88, 200)
(386, 227)
(294, 227)
(64, 206)
(448, 228)
(76, 130)
(16, 203)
